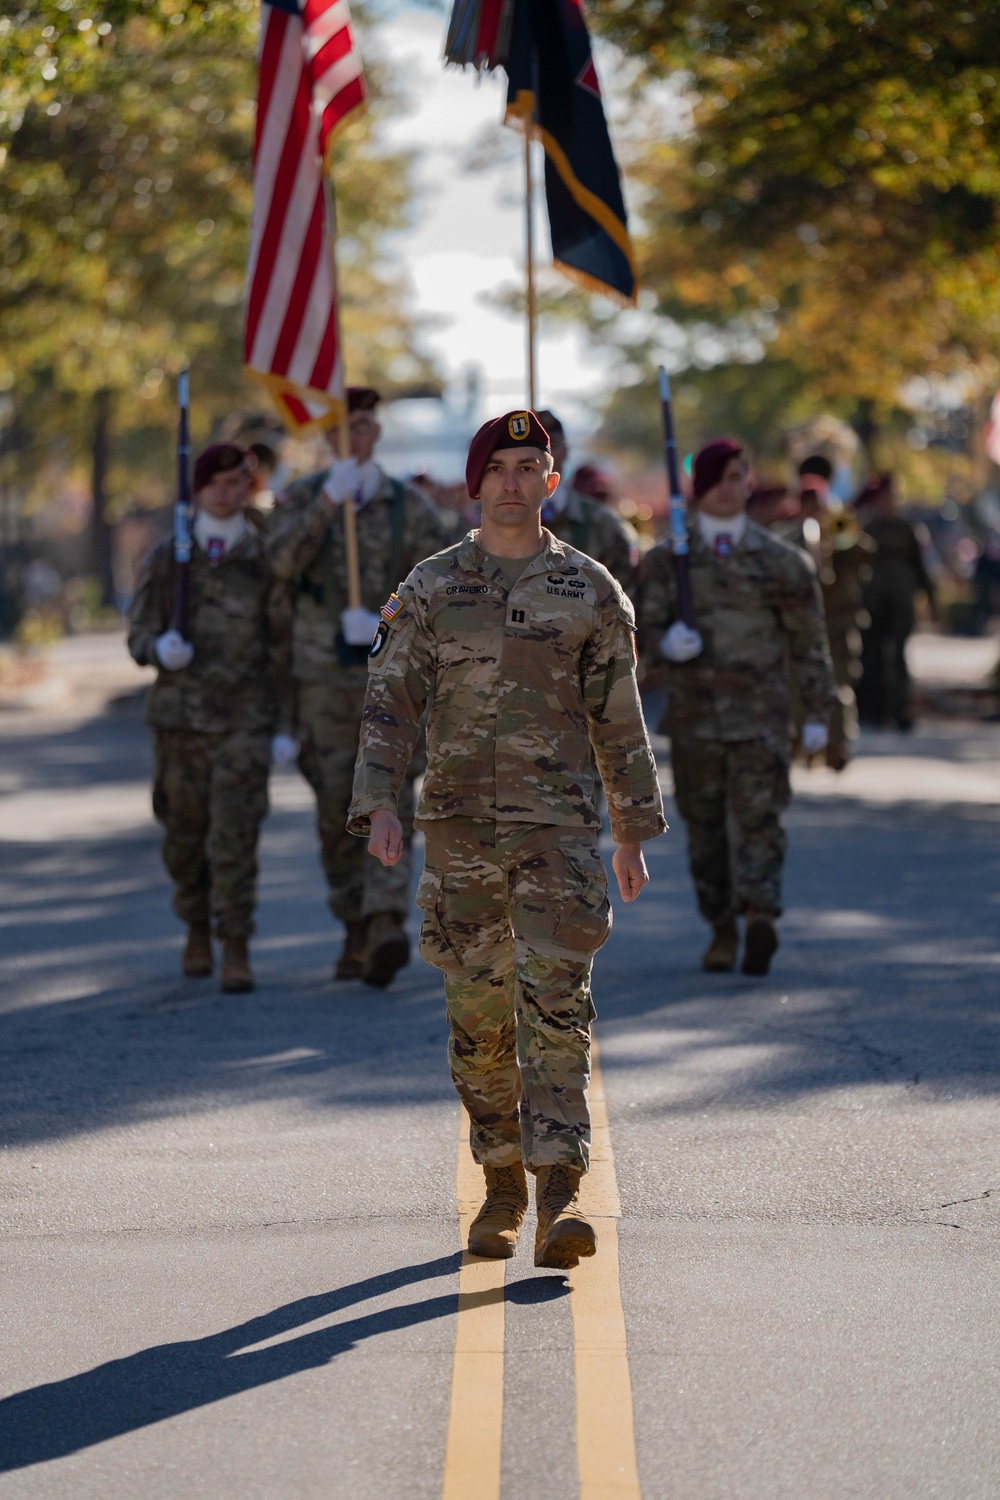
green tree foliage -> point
(840, 173)
(126, 134)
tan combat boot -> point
(237, 976)
(720, 955)
(352, 958)
(494, 1230)
(388, 949)
(564, 1236)
(760, 944)
(198, 961)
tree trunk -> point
(864, 424)
(100, 530)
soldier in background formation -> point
(219, 697)
(842, 554)
(522, 647)
(582, 520)
(898, 575)
(397, 527)
(758, 619)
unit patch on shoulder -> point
(379, 641)
(519, 425)
(391, 608)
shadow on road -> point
(54, 1420)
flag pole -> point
(529, 262)
(347, 508)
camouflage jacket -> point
(521, 683)
(240, 676)
(307, 553)
(760, 616)
(592, 528)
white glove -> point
(359, 626)
(344, 481)
(814, 738)
(680, 642)
(173, 651)
(283, 750)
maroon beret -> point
(514, 429)
(590, 480)
(362, 398)
(218, 458)
(710, 464)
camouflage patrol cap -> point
(514, 429)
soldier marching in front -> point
(582, 521)
(219, 696)
(523, 648)
(397, 527)
(757, 614)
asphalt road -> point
(229, 1238)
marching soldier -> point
(523, 649)
(842, 554)
(757, 613)
(397, 527)
(215, 704)
(582, 521)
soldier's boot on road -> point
(237, 976)
(564, 1237)
(760, 944)
(352, 958)
(388, 949)
(198, 961)
(494, 1231)
(720, 955)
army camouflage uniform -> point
(592, 528)
(528, 685)
(397, 528)
(212, 724)
(842, 559)
(728, 712)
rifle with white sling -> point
(678, 507)
(183, 512)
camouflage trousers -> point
(513, 915)
(329, 725)
(210, 794)
(731, 795)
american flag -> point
(310, 80)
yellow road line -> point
(605, 1431)
(605, 1435)
(475, 1424)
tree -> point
(839, 175)
(125, 197)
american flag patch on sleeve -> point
(391, 608)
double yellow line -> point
(605, 1434)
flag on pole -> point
(553, 91)
(310, 80)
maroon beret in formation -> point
(218, 458)
(710, 464)
(362, 398)
(515, 429)
(592, 481)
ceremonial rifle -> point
(678, 507)
(183, 512)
